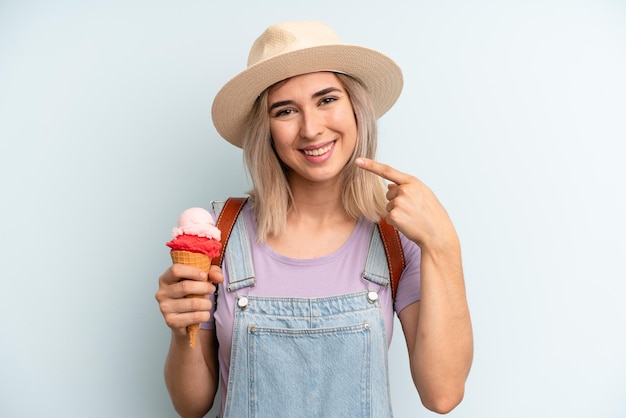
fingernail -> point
(204, 276)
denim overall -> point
(307, 357)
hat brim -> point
(380, 74)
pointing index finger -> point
(383, 170)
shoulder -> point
(411, 249)
(409, 288)
(412, 257)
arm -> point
(437, 329)
(191, 374)
(438, 334)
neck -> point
(317, 200)
(317, 224)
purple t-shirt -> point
(338, 273)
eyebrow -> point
(314, 96)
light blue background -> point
(513, 112)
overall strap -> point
(236, 250)
(394, 252)
(385, 257)
(225, 222)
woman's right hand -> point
(175, 285)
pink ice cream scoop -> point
(198, 222)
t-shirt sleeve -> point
(210, 324)
(409, 288)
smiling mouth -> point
(318, 151)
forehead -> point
(312, 82)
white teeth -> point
(319, 151)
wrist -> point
(180, 337)
(441, 244)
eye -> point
(328, 100)
(283, 112)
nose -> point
(311, 124)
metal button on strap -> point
(242, 302)
(367, 325)
(372, 296)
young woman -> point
(302, 321)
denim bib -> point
(307, 357)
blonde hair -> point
(363, 192)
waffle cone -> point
(203, 262)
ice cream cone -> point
(203, 262)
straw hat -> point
(293, 48)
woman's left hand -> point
(413, 208)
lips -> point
(316, 152)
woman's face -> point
(313, 126)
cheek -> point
(280, 143)
(280, 151)
(281, 132)
(345, 120)
(348, 124)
